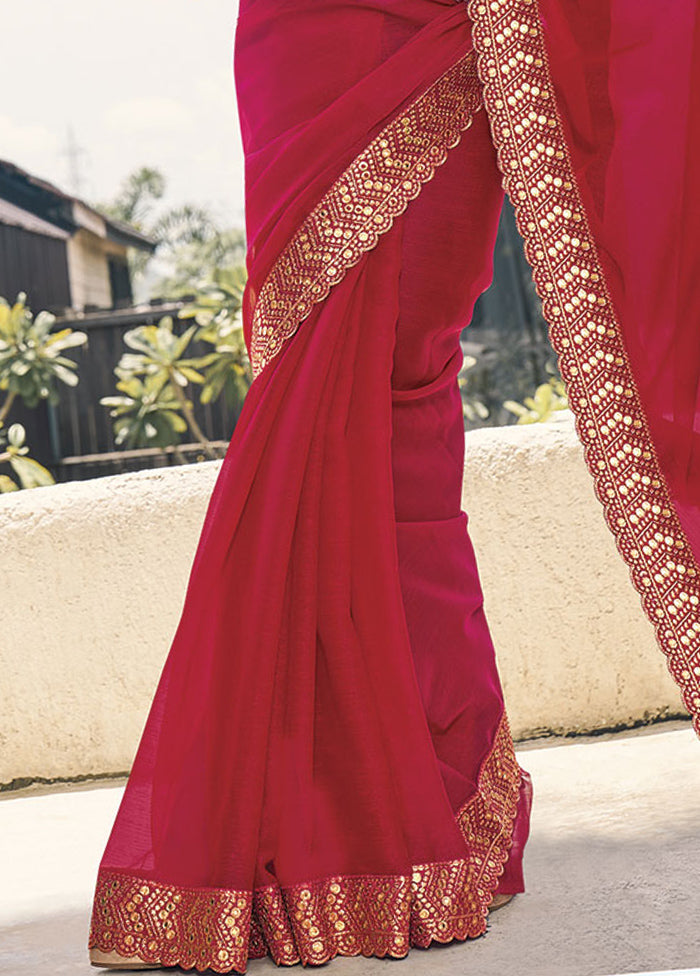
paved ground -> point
(612, 868)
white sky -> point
(140, 82)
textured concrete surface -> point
(575, 648)
(612, 870)
(94, 576)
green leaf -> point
(137, 339)
(116, 401)
(191, 374)
(67, 376)
(45, 319)
(516, 408)
(206, 360)
(176, 421)
(183, 342)
(30, 473)
(66, 339)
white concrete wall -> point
(577, 652)
(94, 574)
(88, 270)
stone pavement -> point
(612, 869)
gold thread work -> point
(362, 204)
(220, 929)
(538, 176)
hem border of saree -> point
(538, 176)
(361, 205)
(311, 923)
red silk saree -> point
(326, 767)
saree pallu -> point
(327, 767)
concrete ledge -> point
(576, 650)
(94, 576)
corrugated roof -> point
(17, 217)
(117, 229)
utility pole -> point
(73, 151)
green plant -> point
(548, 398)
(13, 450)
(473, 408)
(151, 412)
(154, 410)
(220, 253)
(190, 241)
(216, 310)
(147, 414)
(32, 367)
(32, 363)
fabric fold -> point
(286, 796)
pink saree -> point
(326, 768)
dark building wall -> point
(119, 282)
(34, 264)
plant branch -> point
(5, 409)
(192, 421)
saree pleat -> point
(319, 773)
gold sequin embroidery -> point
(369, 915)
(362, 204)
(584, 331)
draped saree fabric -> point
(327, 767)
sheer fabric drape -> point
(327, 766)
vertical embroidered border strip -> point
(362, 204)
(369, 915)
(538, 176)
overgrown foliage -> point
(32, 363)
(13, 451)
(548, 398)
(217, 312)
(154, 380)
(32, 368)
(191, 244)
(473, 407)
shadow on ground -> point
(612, 870)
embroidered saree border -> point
(362, 204)
(220, 929)
(538, 176)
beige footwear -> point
(112, 960)
(498, 901)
